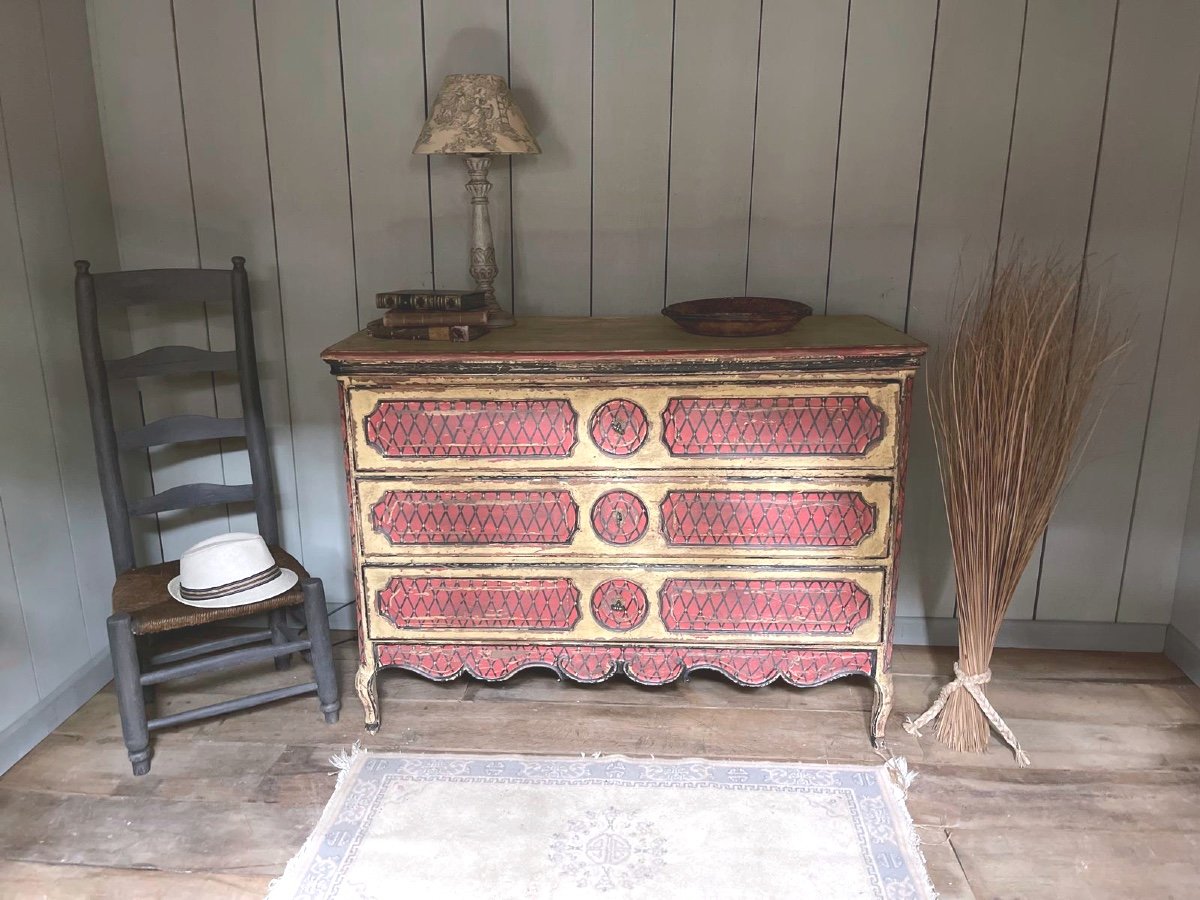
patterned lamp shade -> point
(475, 114)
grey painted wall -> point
(1183, 639)
(55, 566)
(857, 155)
(1186, 616)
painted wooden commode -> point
(614, 495)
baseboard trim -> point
(52, 710)
(1040, 635)
(1183, 652)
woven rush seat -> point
(142, 592)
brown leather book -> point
(398, 318)
(431, 301)
(378, 329)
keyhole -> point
(618, 425)
(618, 605)
(619, 516)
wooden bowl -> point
(737, 316)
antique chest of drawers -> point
(603, 496)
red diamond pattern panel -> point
(767, 518)
(430, 602)
(620, 518)
(471, 428)
(644, 664)
(763, 607)
(619, 427)
(773, 426)
(619, 605)
(475, 517)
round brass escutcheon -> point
(620, 517)
(619, 604)
(619, 427)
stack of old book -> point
(431, 315)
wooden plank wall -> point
(55, 564)
(865, 155)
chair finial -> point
(239, 262)
(82, 266)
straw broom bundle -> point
(1009, 398)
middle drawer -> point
(668, 518)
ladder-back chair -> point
(142, 607)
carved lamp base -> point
(483, 253)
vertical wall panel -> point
(631, 120)
(796, 139)
(138, 84)
(298, 43)
(1185, 613)
(712, 146)
(1055, 145)
(550, 49)
(77, 119)
(966, 154)
(18, 686)
(30, 485)
(70, 62)
(384, 70)
(1136, 212)
(466, 36)
(84, 186)
(29, 116)
(889, 53)
(1056, 134)
(231, 186)
(1160, 513)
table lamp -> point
(474, 116)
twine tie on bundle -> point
(973, 685)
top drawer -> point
(831, 425)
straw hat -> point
(229, 570)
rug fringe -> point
(344, 759)
(285, 886)
(902, 777)
(899, 779)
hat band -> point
(232, 587)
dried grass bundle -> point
(1009, 397)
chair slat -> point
(162, 286)
(180, 429)
(187, 496)
(172, 361)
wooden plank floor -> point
(1111, 807)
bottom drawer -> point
(698, 605)
(645, 664)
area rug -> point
(433, 826)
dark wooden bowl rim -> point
(738, 309)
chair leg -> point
(122, 644)
(322, 648)
(277, 622)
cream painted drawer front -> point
(599, 519)
(810, 425)
(692, 605)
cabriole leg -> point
(368, 692)
(882, 709)
(122, 644)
